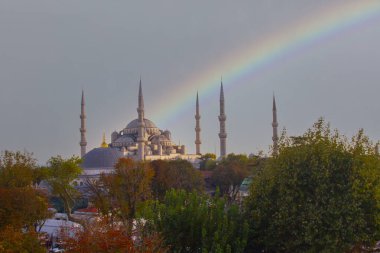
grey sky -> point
(50, 50)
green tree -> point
(208, 161)
(60, 175)
(175, 174)
(193, 222)
(229, 174)
(321, 194)
(256, 164)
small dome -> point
(101, 158)
(161, 139)
(114, 136)
(168, 134)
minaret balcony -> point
(222, 135)
(222, 117)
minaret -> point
(222, 123)
(82, 129)
(141, 126)
(274, 126)
(197, 129)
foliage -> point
(193, 222)
(57, 204)
(17, 169)
(321, 194)
(21, 206)
(175, 174)
(229, 174)
(12, 240)
(208, 161)
(60, 174)
(124, 190)
(102, 236)
(256, 164)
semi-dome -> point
(101, 158)
(123, 140)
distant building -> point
(142, 140)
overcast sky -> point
(50, 50)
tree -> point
(13, 240)
(60, 175)
(320, 194)
(208, 161)
(175, 174)
(229, 174)
(102, 236)
(193, 222)
(22, 207)
(17, 169)
(124, 190)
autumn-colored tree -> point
(13, 240)
(229, 174)
(17, 169)
(22, 207)
(60, 175)
(99, 196)
(103, 236)
(124, 190)
(320, 194)
(175, 174)
(20, 204)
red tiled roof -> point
(88, 210)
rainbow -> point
(262, 54)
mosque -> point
(142, 140)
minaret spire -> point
(141, 126)
(141, 97)
(274, 126)
(222, 123)
(104, 143)
(197, 128)
(82, 129)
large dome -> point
(135, 124)
(133, 127)
(101, 158)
